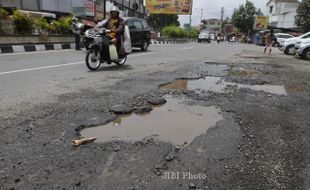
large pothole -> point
(174, 122)
(217, 84)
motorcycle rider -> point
(116, 24)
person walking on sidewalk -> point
(269, 41)
(76, 29)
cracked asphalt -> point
(262, 142)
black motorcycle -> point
(98, 51)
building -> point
(89, 8)
(213, 25)
(282, 13)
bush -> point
(177, 32)
(43, 25)
(63, 25)
(23, 24)
(3, 15)
(173, 32)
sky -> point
(212, 9)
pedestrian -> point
(269, 41)
(76, 29)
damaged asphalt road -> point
(261, 142)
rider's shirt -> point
(112, 26)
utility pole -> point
(222, 18)
(201, 15)
(190, 21)
(104, 9)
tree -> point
(244, 17)
(154, 21)
(259, 12)
(226, 21)
(302, 18)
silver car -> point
(281, 37)
(289, 44)
(304, 49)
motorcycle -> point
(99, 52)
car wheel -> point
(145, 46)
(306, 54)
(290, 50)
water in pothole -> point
(174, 122)
(217, 84)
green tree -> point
(259, 12)
(154, 20)
(244, 16)
(226, 21)
(302, 18)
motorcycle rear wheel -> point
(92, 60)
(122, 61)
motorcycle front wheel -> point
(92, 59)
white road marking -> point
(66, 64)
(40, 68)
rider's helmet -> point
(114, 9)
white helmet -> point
(114, 9)
(74, 19)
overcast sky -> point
(212, 9)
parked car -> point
(298, 44)
(140, 33)
(304, 49)
(204, 36)
(281, 37)
(289, 44)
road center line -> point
(40, 68)
(66, 64)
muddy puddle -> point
(173, 122)
(217, 84)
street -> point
(234, 119)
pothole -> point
(217, 84)
(174, 122)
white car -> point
(204, 36)
(289, 44)
(281, 37)
(304, 49)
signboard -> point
(261, 23)
(180, 7)
(90, 7)
(84, 8)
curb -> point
(34, 47)
(61, 46)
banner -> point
(180, 7)
(261, 23)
